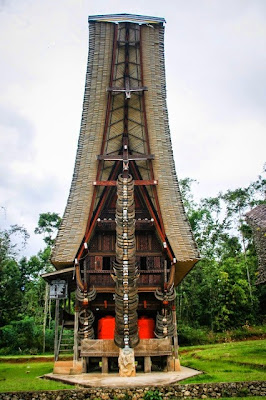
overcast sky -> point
(215, 64)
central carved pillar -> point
(126, 274)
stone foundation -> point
(200, 391)
(63, 367)
(68, 367)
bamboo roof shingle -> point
(75, 218)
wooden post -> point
(69, 301)
(147, 364)
(45, 314)
(176, 358)
(104, 365)
(175, 333)
(76, 326)
(49, 313)
(87, 361)
(165, 272)
(56, 329)
(170, 364)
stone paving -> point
(112, 380)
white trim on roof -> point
(119, 18)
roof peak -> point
(119, 18)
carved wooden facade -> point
(124, 138)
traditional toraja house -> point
(256, 218)
(124, 243)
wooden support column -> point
(104, 365)
(87, 361)
(170, 364)
(76, 326)
(56, 329)
(78, 364)
(147, 364)
(176, 358)
(175, 333)
(46, 299)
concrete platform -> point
(114, 380)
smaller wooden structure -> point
(256, 218)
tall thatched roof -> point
(74, 223)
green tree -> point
(237, 203)
(218, 291)
(48, 225)
(22, 290)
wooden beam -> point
(160, 232)
(119, 89)
(91, 226)
(131, 157)
(104, 183)
(136, 183)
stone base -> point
(126, 362)
(78, 368)
(63, 367)
(113, 381)
(177, 365)
(68, 368)
(173, 364)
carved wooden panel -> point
(147, 242)
(155, 280)
(107, 242)
(157, 262)
(107, 348)
(106, 280)
(142, 243)
(150, 262)
(98, 263)
(93, 280)
(155, 245)
(94, 243)
(102, 242)
(144, 279)
(90, 263)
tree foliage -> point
(48, 225)
(220, 292)
(21, 286)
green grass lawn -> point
(226, 362)
(24, 376)
(30, 357)
(241, 398)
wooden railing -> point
(103, 278)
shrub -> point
(20, 337)
(192, 336)
(153, 395)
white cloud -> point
(215, 62)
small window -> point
(106, 263)
(143, 263)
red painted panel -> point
(146, 328)
(106, 327)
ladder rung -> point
(65, 351)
